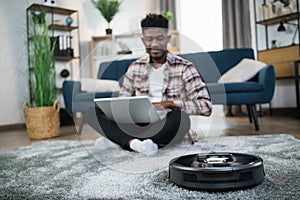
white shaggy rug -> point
(73, 170)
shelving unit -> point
(101, 52)
(282, 57)
(67, 52)
(277, 20)
(107, 48)
(285, 58)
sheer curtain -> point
(236, 23)
(169, 5)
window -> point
(200, 25)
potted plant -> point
(108, 9)
(42, 115)
(168, 15)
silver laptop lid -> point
(137, 109)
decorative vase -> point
(265, 12)
(108, 31)
(64, 73)
(274, 45)
(42, 122)
(49, 2)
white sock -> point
(103, 143)
(147, 147)
(136, 145)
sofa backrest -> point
(227, 58)
(113, 70)
(211, 65)
(205, 65)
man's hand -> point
(165, 105)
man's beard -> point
(158, 58)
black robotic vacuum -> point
(216, 171)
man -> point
(170, 81)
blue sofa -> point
(211, 66)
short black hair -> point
(155, 20)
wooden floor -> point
(234, 126)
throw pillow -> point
(99, 85)
(243, 71)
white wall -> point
(13, 58)
(13, 50)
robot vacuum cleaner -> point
(216, 171)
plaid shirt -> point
(182, 84)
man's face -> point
(156, 41)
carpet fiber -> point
(76, 170)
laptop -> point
(136, 109)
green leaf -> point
(107, 8)
(168, 15)
(42, 72)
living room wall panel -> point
(13, 59)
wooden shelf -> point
(51, 9)
(277, 20)
(56, 29)
(282, 59)
(101, 38)
(65, 58)
(62, 27)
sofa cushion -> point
(89, 96)
(114, 70)
(211, 65)
(243, 71)
(227, 58)
(234, 87)
(205, 65)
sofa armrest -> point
(266, 77)
(69, 89)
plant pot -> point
(108, 31)
(42, 122)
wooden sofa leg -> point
(249, 113)
(270, 109)
(260, 110)
(254, 115)
(82, 119)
